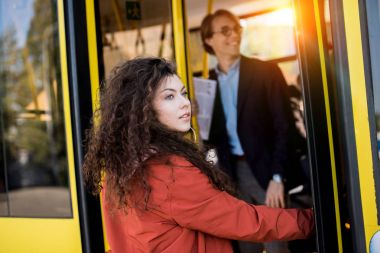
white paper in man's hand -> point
(205, 91)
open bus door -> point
(38, 193)
(338, 43)
(347, 32)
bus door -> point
(340, 40)
(38, 194)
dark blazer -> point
(264, 117)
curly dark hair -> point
(128, 134)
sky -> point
(16, 13)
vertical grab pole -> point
(205, 55)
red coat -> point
(187, 214)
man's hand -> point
(275, 195)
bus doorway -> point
(272, 31)
(296, 36)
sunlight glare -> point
(283, 16)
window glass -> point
(275, 26)
(373, 25)
(291, 71)
(135, 28)
(34, 169)
(373, 15)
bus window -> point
(132, 28)
(373, 17)
(275, 25)
(373, 24)
(34, 180)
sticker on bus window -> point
(374, 245)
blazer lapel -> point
(217, 102)
(245, 82)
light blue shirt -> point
(228, 83)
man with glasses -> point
(251, 118)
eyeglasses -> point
(227, 31)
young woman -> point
(160, 194)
